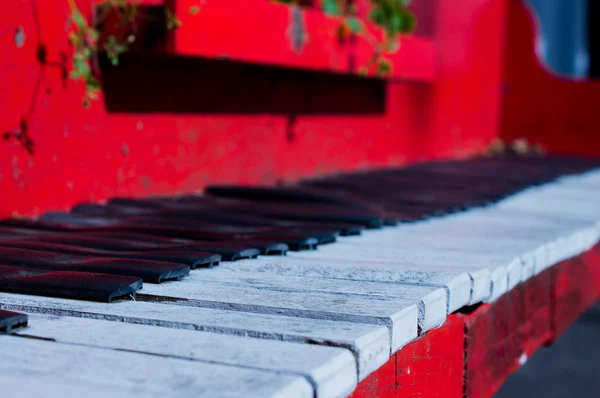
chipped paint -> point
(19, 37)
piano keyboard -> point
(294, 291)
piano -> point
(299, 290)
(243, 215)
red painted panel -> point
(492, 347)
(534, 303)
(236, 30)
(433, 365)
(537, 105)
(96, 153)
(591, 259)
(379, 384)
(576, 290)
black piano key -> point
(193, 254)
(296, 240)
(294, 243)
(268, 248)
(193, 259)
(209, 217)
(149, 271)
(287, 211)
(11, 320)
(71, 285)
(279, 194)
(149, 242)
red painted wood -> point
(379, 384)
(430, 366)
(533, 302)
(576, 290)
(433, 365)
(591, 259)
(234, 30)
(500, 337)
(93, 154)
(558, 113)
(492, 348)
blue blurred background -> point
(562, 42)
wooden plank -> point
(431, 301)
(457, 283)
(400, 316)
(35, 368)
(451, 261)
(369, 343)
(331, 371)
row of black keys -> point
(104, 252)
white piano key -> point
(369, 343)
(56, 369)
(452, 261)
(499, 284)
(400, 316)
(457, 282)
(331, 371)
(546, 204)
(528, 269)
(514, 270)
(431, 300)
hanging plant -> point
(392, 16)
(85, 39)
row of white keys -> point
(346, 300)
(399, 315)
(36, 368)
(457, 283)
(331, 371)
(370, 344)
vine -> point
(85, 39)
(392, 16)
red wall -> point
(223, 121)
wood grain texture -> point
(457, 284)
(431, 301)
(35, 368)
(369, 343)
(331, 371)
(399, 316)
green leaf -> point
(194, 10)
(77, 17)
(409, 22)
(92, 83)
(384, 67)
(331, 7)
(391, 45)
(354, 24)
(376, 16)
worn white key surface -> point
(400, 316)
(331, 371)
(451, 261)
(35, 368)
(214, 285)
(457, 283)
(369, 343)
